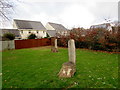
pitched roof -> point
(14, 31)
(25, 24)
(51, 33)
(57, 27)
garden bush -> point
(95, 39)
(32, 36)
(8, 36)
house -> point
(13, 31)
(106, 26)
(51, 33)
(27, 27)
(53, 28)
(116, 26)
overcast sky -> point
(72, 13)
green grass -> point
(38, 68)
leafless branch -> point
(5, 8)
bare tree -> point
(5, 9)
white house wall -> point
(63, 32)
(25, 34)
(109, 28)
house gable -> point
(57, 27)
(49, 27)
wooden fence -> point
(29, 43)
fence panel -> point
(7, 45)
(29, 43)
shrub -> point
(32, 36)
(96, 39)
(8, 36)
(47, 36)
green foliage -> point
(38, 68)
(47, 36)
(8, 36)
(32, 36)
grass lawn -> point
(38, 68)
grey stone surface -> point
(69, 68)
(54, 47)
(56, 43)
(71, 51)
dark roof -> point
(14, 31)
(58, 27)
(25, 24)
(51, 33)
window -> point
(21, 31)
(29, 31)
(16, 35)
(37, 31)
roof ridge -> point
(26, 20)
(54, 23)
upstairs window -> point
(29, 31)
(37, 31)
(21, 31)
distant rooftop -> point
(26, 24)
(51, 33)
(58, 27)
(105, 25)
(14, 31)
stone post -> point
(54, 47)
(69, 68)
(71, 51)
(55, 43)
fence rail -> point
(29, 43)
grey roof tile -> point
(51, 33)
(57, 27)
(25, 24)
(14, 31)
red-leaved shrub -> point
(96, 39)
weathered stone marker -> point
(69, 68)
(55, 43)
(54, 47)
(71, 51)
